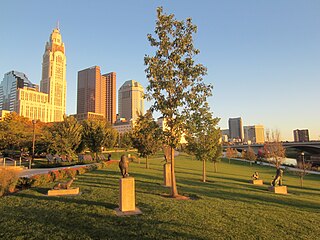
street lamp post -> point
(33, 142)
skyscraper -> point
(97, 93)
(18, 94)
(110, 79)
(53, 80)
(130, 100)
(236, 129)
(301, 135)
(254, 134)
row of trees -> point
(68, 137)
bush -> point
(8, 181)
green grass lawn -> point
(225, 207)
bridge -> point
(313, 147)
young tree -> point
(64, 137)
(231, 153)
(273, 149)
(146, 136)
(251, 155)
(125, 140)
(203, 136)
(175, 81)
(302, 166)
(94, 135)
(217, 158)
(111, 136)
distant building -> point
(53, 80)
(254, 134)
(97, 93)
(88, 116)
(236, 129)
(301, 135)
(123, 126)
(18, 94)
(225, 135)
(130, 100)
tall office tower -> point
(236, 129)
(18, 94)
(111, 114)
(54, 76)
(97, 93)
(12, 81)
(301, 135)
(130, 100)
(254, 134)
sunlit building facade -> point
(254, 134)
(97, 93)
(131, 100)
(53, 81)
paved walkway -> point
(31, 172)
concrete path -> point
(31, 172)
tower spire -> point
(58, 25)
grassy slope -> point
(227, 207)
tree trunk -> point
(203, 170)
(215, 167)
(301, 181)
(147, 165)
(174, 190)
(229, 160)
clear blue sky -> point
(263, 57)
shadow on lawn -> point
(255, 195)
(71, 221)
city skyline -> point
(262, 57)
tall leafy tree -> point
(146, 136)
(175, 80)
(94, 135)
(15, 132)
(111, 136)
(65, 137)
(203, 136)
(125, 140)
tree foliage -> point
(231, 153)
(175, 80)
(15, 132)
(203, 136)
(64, 137)
(94, 135)
(146, 136)
(251, 155)
(125, 140)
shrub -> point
(8, 181)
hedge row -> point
(10, 182)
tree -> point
(231, 153)
(251, 155)
(203, 136)
(125, 140)
(273, 148)
(175, 81)
(15, 132)
(146, 136)
(217, 158)
(65, 137)
(111, 137)
(94, 135)
(302, 166)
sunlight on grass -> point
(226, 207)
